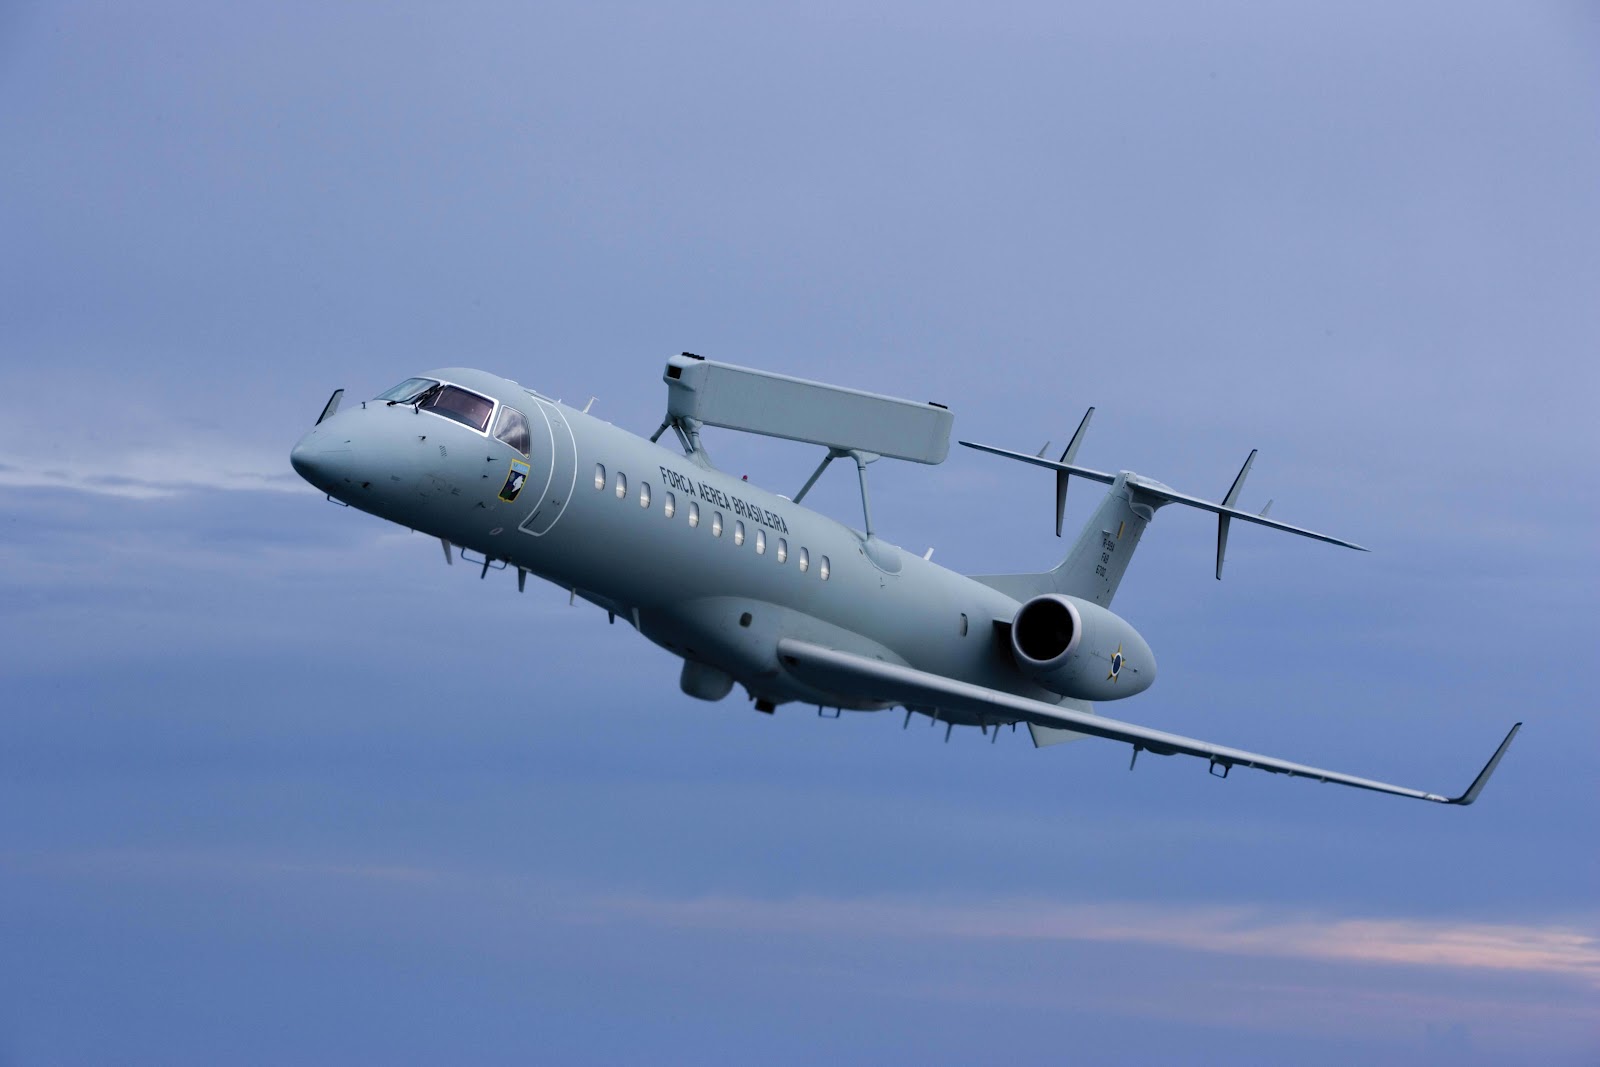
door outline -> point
(563, 467)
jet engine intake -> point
(1078, 649)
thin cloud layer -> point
(151, 474)
(1559, 949)
(1555, 949)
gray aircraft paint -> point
(549, 503)
(777, 405)
(883, 628)
(1098, 558)
(683, 587)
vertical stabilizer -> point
(1099, 557)
(1094, 566)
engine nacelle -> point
(1078, 649)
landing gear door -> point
(551, 503)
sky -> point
(280, 787)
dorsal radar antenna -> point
(684, 425)
(847, 422)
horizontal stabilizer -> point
(1040, 461)
(1167, 495)
(1156, 494)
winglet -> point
(1069, 456)
(1483, 776)
(331, 407)
(1229, 501)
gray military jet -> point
(753, 588)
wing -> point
(858, 676)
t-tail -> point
(1099, 557)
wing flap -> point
(845, 672)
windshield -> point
(456, 403)
(512, 428)
(408, 390)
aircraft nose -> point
(324, 460)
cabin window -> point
(622, 485)
(823, 568)
(694, 513)
(963, 624)
(512, 428)
(716, 524)
(783, 550)
(644, 494)
(458, 405)
(669, 505)
(805, 561)
(761, 542)
(738, 532)
(599, 475)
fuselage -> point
(706, 565)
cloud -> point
(1496, 986)
(152, 473)
(1557, 949)
(1560, 950)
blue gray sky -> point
(280, 787)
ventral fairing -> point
(754, 589)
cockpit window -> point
(512, 428)
(456, 403)
(408, 390)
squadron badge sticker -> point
(515, 477)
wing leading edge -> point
(858, 676)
